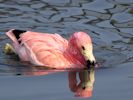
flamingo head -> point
(84, 44)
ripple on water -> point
(97, 6)
(122, 17)
(117, 9)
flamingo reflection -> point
(84, 88)
(81, 82)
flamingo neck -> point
(74, 52)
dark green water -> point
(109, 23)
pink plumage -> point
(50, 50)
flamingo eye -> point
(83, 47)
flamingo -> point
(52, 50)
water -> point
(109, 23)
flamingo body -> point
(45, 49)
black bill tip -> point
(90, 63)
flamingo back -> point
(45, 49)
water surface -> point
(109, 23)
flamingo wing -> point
(45, 49)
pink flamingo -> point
(52, 50)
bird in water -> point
(52, 50)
